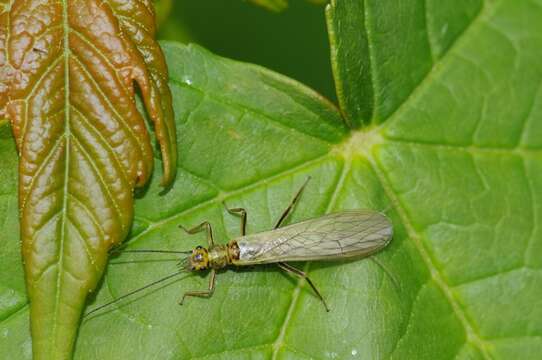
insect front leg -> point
(292, 270)
(236, 211)
(292, 205)
(202, 293)
(204, 226)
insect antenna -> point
(122, 249)
(184, 265)
(393, 279)
(147, 251)
(165, 278)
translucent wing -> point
(334, 236)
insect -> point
(336, 236)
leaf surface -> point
(448, 146)
(69, 70)
(281, 5)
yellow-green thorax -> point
(216, 257)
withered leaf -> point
(69, 70)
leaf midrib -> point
(471, 149)
(67, 136)
(436, 276)
(372, 71)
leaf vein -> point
(409, 321)
(372, 61)
(41, 167)
(245, 108)
(104, 186)
(436, 275)
(15, 312)
(129, 20)
(229, 351)
(522, 268)
(116, 113)
(91, 215)
(430, 39)
(473, 149)
(105, 143)
(528, 117)
(66, 54)
(86, 246)
(438, 66)
(32, 92)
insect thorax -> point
(223, 255)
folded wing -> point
(335, 236)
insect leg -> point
(293, 270)
(292, 204)
(202, 293)
(204, 226)
(243, 215)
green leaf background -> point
(440, 127)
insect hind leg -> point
(292, 270)
(290, 207)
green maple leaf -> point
(439, 127)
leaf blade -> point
(83, 148)
(463, 214)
